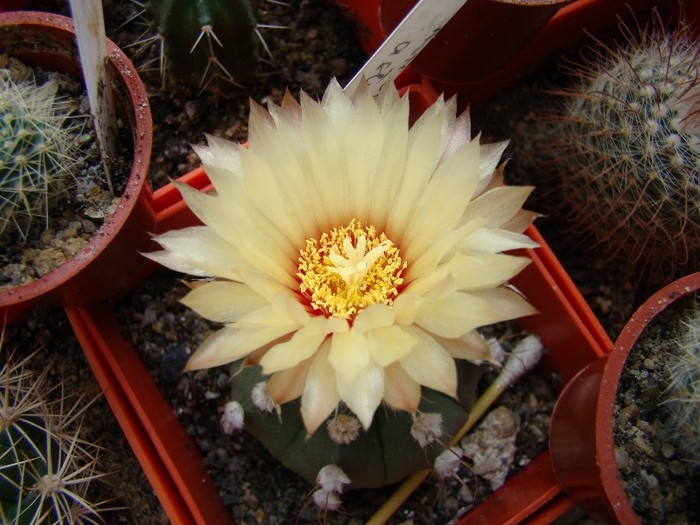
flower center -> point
(348, 269)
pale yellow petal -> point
(456, 314)
(374, 316)
(443, 201)
(509, 304)
(222, 164)
(392, 162)
(471, 347)
(289, 384)
(499, 205)
(475, 272)
(388, 345)
(198, 251)
(440, 249)
(363, 393)
(424, 143)
(400, 391)
(223, 301)
(430, 364)
(490, 157)
(460, 135)
(303, 344)
(520, 221)
(349, 354)
(320, 396)
(233, 225)
(266, 317)
(495, 240)
(230, 343)
(268, 193)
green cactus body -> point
(683, 393)
(383, 454)
(45, 468)
(207, 41)
(23, 463)
(629, 152)
(36, 164)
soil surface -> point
(661, 484)
(76, 207)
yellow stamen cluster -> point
(348, 269)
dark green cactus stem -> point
(382, 455)
(206, 42)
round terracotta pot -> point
(581, 437)
(482, 37)
(108, 264)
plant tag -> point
(414, 32)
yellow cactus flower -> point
(351, 256)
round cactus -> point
(628, 151)
(45, 467)
(395, 445)
(206, 42)
(683, 393)
(37, 133)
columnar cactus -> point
(45, 467)
(37, 133)
(208, 41)
(628, 151)
(683, 393)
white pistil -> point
(356, 263)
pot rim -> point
(142, 130)
(616, 360)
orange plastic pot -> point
(498, 58)
(175, 467)
(581, 433)
(108, 264)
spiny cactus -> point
(683, 393)
(37, 163)
(628, 151)
(395, 445)
(45, 467)
(209, 41)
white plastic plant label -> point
(414, 32)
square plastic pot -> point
(171, 459)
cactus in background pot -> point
(683, 393)
(628, 151)
(207, 42)
(38, 130)
(45, 467)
